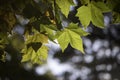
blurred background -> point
(101, 60)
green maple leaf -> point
(65, 6)
(31, 55)
(84, 14)
(92, 13)
(35, 51)
(71, 35)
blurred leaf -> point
(116, 18)
(114, 5)
(10, 18)
(17, 41)
(37, 37)
(57, 16)
(3, 40)
(2, 55)
(85, 1)
(49, 29)
(102, 6)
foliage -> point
(93, 12)
(45, 18)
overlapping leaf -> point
(35, 51)
(31, 55)
(84, 14)
(49, 29)
(37, 37)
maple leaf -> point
(93, 12)
(71, 35)
(31, 55)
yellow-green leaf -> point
(93, 12)
(63, 39)
(97, 17)
(71, 35)
(65, 6)
(84, 14)
(38, 57)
